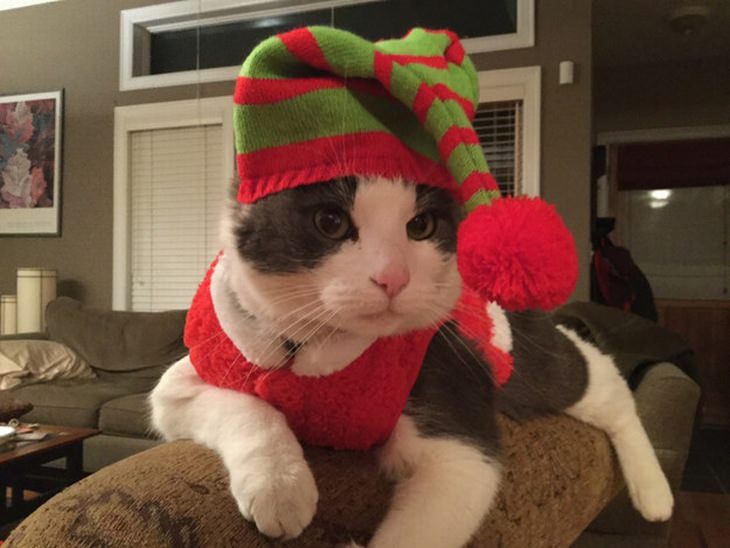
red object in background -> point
(619, 282)
(673, 164)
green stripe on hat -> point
(326, 113)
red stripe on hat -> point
(383, 68)
(271, 170)
(444, 93)
(477, 181)
(455, 136)
(435, 61)
(261, 91)
(455, 52)
(303, 44)
(423, 101)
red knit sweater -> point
(354, 408)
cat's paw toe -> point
(281, 502)
(653, 499)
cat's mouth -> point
(386, 314)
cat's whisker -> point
(312, 333)
(286, 333)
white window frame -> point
(175, 114)
(183, 14)
(523, 83)
(17, 4)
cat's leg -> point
(443, 452)
(445, 488)
(608, 404)
(269, 477)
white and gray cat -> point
(324, 270)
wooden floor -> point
(701, 520)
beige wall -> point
(665, 95)
(74, 45)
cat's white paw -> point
(281, 499)
(652, 497)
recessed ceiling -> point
(635, 32)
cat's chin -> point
(382, 324)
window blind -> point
(499, 127)
(177, 192)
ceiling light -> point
(660, 194)
(688, 18)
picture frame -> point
(30, 164)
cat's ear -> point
(518, 253)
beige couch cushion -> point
(126, 416)
(114, 340)
(71, 403)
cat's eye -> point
(422, 226)
(332, 223)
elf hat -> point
(318, 103)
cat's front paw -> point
(652, 497)
(280, 499)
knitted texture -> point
(318, 103)
(354, 408)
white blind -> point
(177, 191)
(499, 126)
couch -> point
(128, 352)
(559, 487)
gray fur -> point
(277, 233)
(550, 374)
(448, 213)
(454, 394)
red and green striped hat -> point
(318, 103)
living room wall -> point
(74, 45)
(661, 95)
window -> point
(173, 162)
(176, 194)
(673, 197)
(508, 124)
(206, 40)
(499, 126)
(15, 4)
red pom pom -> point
(518, 253)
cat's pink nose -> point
(392, 280)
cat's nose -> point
(392, 280)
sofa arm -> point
(25, 337)
(558, 475)
(666, 400)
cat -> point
(311, 277)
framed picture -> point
(30, 164)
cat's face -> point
(368, 256)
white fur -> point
(609, 405)
(445, 488)
(251, 338)
(270, 480)
(502, 334)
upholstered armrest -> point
(666, 400)
(25, 337)
(558, 475)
